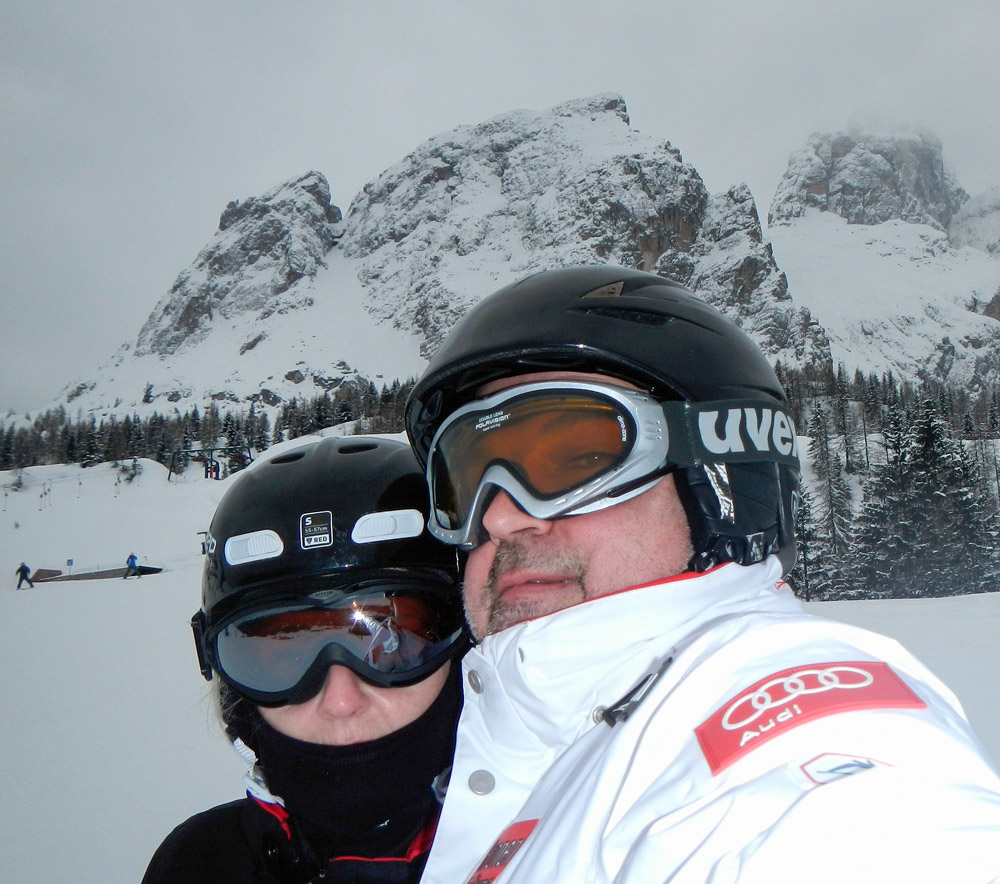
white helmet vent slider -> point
(253, 547)
(388, 525)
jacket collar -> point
(555, 672)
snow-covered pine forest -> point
(901, 491)
(900, 498)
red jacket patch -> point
(502, 851)
(782, 701)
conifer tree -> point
(262, 433)
(7, 448)
(844, 421)
(803, 576)
(195, 431)
(831, 511)
(322, 412)
(92, 446)
(278, 433)
(927, 525)
(135, 446)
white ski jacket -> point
(707, 729)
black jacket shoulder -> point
(211, 847)
(240, 843)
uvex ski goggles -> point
(562, 448)
(279, 651)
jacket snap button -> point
(482, 782)
(475, 682)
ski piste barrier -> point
(88, 572)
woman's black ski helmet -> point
(320, 519)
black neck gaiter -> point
(366, 799)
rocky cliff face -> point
(264, 245)
(289, 299)
(731, 267)
(892, 257)
(868, 179)
(482, 205)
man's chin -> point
(503, 614)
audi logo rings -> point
(803, 682)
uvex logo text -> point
(747, 430)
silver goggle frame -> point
(668, 436)
(645, 457)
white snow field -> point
(107, 738)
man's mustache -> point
(539, 556)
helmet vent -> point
(357, 447)
(291, 457)
(626, 314)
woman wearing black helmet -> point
(332, 620)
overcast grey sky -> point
(126, 127)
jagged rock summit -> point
(288, 299)
(482, 205)
(870, 178)
(264, 245)
(893, 259)
(875, 257)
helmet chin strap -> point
(710, 503)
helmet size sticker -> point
(316, 529)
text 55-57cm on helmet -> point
(319, 556)
(709, 409)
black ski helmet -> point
(652, 332)
(323, 517)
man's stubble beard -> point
(526, 556)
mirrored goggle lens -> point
(386, 638)
(552, 441)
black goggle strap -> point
(729, 431)
(198, 628)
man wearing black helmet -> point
(648, 701)
(332, 620)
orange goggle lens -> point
(552, 442)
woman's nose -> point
(343, 693)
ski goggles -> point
(280, 651)
(561, 448)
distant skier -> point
(22, 574)
(131, 567)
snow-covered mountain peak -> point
(289, 300)
(263, 246)
(896, 297)
(869, 178)
(484, 204)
